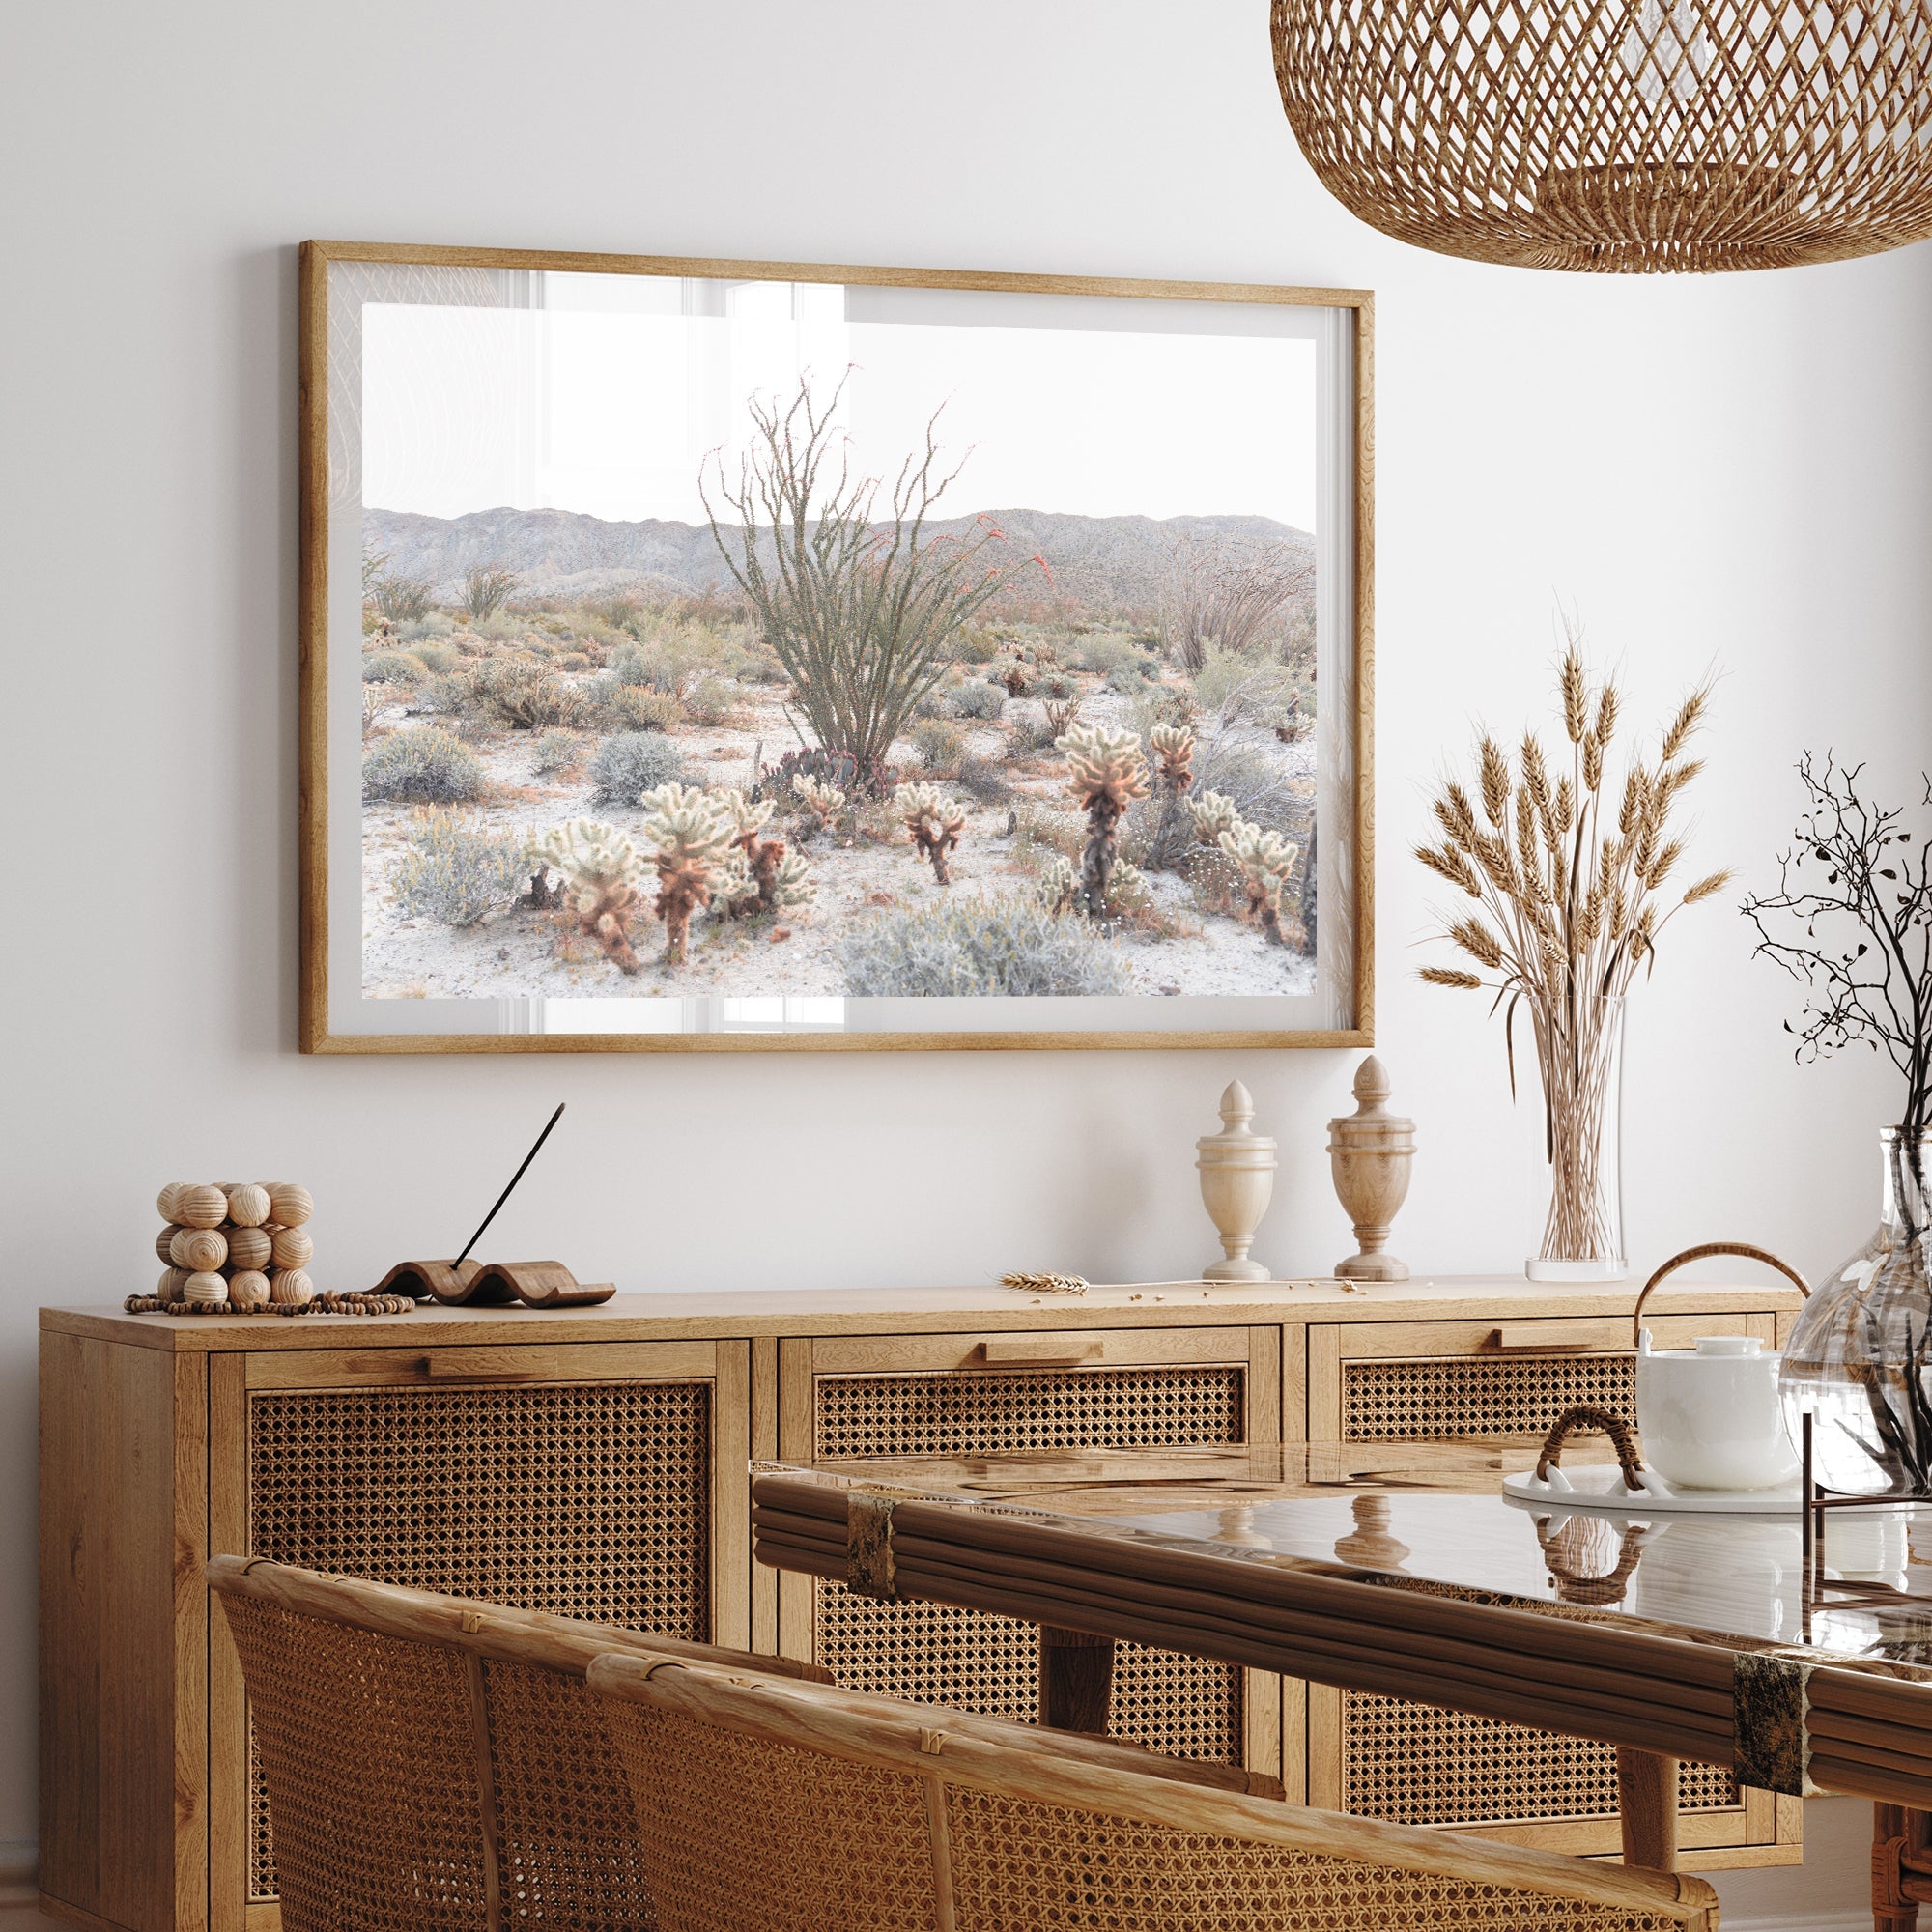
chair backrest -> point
(772, 1807)
(435, 1762)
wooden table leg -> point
(1076, 1680)
(1647, 1803)
(1901, 1866)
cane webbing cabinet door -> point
(884, 1396)
(604, 1481)
(1414, 1764)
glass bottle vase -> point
(1860, 1358)
(1580, 1058)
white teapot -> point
(1709, 1415)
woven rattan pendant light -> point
(1619, 135)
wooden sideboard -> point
(594, 1462)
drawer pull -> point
(489, 1365)
(1545, 1337)
(1039, 1351)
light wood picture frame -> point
(576, 527)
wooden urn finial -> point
(1370, 1153)
(1237, 1181)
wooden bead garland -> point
(241, 1247)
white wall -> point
(1724, 471)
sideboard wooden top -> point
(674, 1317)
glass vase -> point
(1580, 1052)
(1858, 1358)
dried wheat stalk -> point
(1567, 876)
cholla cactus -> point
(1174, 746)
(934, 821)
(1059, 883)
(790, 885)
(693, 835)
(1107, 773)
(821, 803)
(1267, 863)
(1212, 814)
(761, 877)
(601, 869)
(1015, 673)
(1127, 889)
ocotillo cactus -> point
(934, 821)
(601, 869)
(1267, 863)
(693, 839)
(1212, 814)
(1107, 773)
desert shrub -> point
(422, 767)
(931, 704)
(432, 624)
(434, 654)
(712, 703)
(983, 779)
(976, 646)
(1106, 651)
(455, 872)
(556, 751)
(402, 600)
(1128, 680)
(635, 707)
(967, 949)
(1056, 684)
(977, 699)
(941, 747)
(393, 667)
(573, 660)
(627, 665)
(449, 694)
(631, 764)
(527, 696)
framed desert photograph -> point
(708, 655)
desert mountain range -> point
(1105, 563)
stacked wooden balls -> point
(240, 1243)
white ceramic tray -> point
(1599, 1490)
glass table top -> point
(1435, 1514)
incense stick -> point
(511, 1189)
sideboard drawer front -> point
(1153, 1407)
(488, 1490)
(1488, 1380)
(933, 1653)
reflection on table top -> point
(1433, 1514)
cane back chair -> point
(767, 1805)
(437, 1763)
